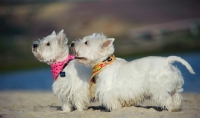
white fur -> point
(125, 83)
(72, 89)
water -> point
(41, 79)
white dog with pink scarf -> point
(70, 77)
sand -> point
(41, 104)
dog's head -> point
(51, 48)
(93, 49)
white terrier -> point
(120, 83)
(70, 77)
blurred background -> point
(140, 28)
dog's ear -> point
(53, 33)
(61, 37)
(108, 42)
(65, 40)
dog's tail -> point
(172, 59)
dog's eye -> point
(48, 44)
(86, 43)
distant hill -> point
(113, 17)
(22, 22)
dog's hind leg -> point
(170, 100)
(173, 103)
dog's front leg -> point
(80, 106)
(66, 107)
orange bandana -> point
(96, 70)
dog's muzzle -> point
(72, 45)
(35, 44)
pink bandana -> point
(57, 67)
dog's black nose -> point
(35, 45)
(72, 44)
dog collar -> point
(97, 69)
(57, 67)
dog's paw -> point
(66, 108)
(63, 112)
(81, 108)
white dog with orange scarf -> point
(117, 83)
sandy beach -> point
(40, 104)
